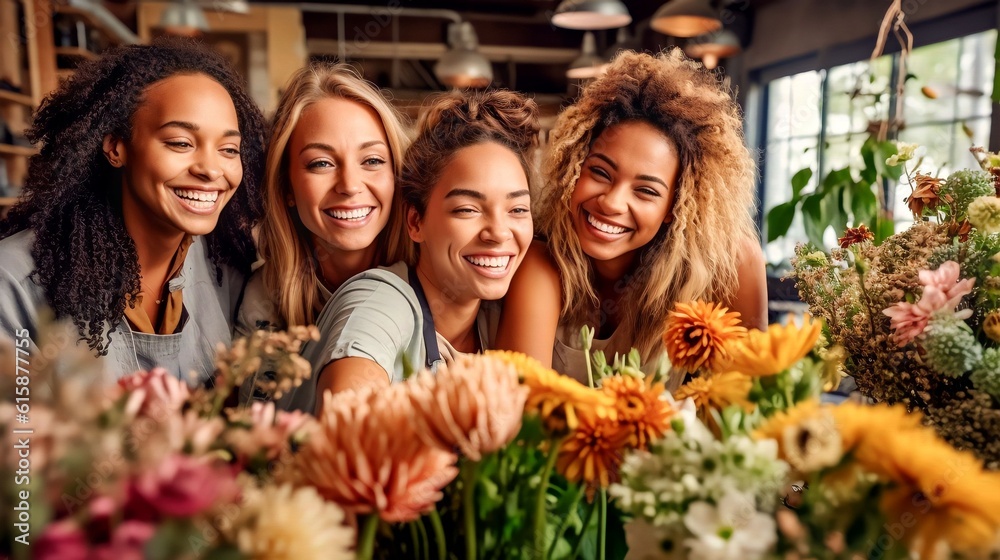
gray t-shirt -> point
(207, 319)
(375, 315)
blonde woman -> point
(648, 202)
(332, 209)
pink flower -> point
(62, 540)
(365, 456)
(942, 291)
(153, 392)
(128, 542)
(946, 279)
(475, 405)
(180, 486)
(268, 430)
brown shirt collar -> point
(172, 306)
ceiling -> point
(527, 52)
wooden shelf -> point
(63, 74)
(12, 150)
(16, 98)
(116, 35)
(77, 52)
(7, 201)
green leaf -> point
(884, 229)
(227, 552)
(779, 219)
(838, 178)
(864, 204)
(800, 180)
(834, 209)
(812, 218)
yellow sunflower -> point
(717, 392)
(558, 399)
(777, 425)
(773, 351)
(861, 424)
(641, 408)
(696, 334)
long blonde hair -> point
(290, 269)
(694, 256)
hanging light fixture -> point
(714, 46)
(686, 18)
(184, 17)
(462, 66)
(591, 14)
(623, 42)
(589, 64)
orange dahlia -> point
(716, 392)
(365, 455)
(696, 334)
(558, 399)
(594, 451)
(643, 407)
(853, 236)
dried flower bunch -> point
(918, 315)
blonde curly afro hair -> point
(696, 254)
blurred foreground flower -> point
(772, 351)
(732, 529)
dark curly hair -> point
(85, 260)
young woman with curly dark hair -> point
(136, 217)
(465, 187)
(648, 201)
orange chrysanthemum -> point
(772, 351)
(594, 451)
(366, 456)
(696, 334)
(717, 392)
(641, 407)
(558, 399)
(853, 236)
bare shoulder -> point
(750, 296)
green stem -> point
(442, 546)
(561, 530)
(602, 524)
(366, 540)
(583, 531)
(469, 508)
(425, 540)
(415, 537)
(543, 490)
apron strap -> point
(430, 335)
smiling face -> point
(477, 225)
(182, 164)
(624, 194)
(341, 173)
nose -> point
(348, 182)
(496, 230)
(613, 201)
(207, 166)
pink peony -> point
(151, 393)
(62, 540)
(366, 457)
(180, 486)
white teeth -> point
(198, 196)
(606, 228)
(356, 214)
(490, 262)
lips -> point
(353, 214)
(495, 263)
(198, 201)
(604, 227)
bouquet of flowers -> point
(919, 314)
(151, 468)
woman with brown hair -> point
(465, 186)
(648, 201)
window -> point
(820, 119)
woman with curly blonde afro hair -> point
(648, 201)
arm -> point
(531, 307)
(349, 374)
(365, 329)
(750, 298)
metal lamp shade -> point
(591, 14)
(686, 18)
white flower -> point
(734, 530)
(905, 152)
(282, 523)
